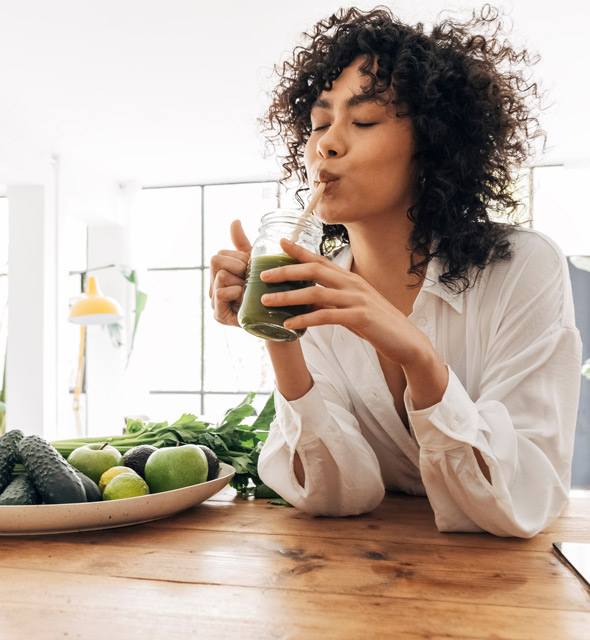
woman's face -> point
(363, 152)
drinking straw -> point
(315, 198)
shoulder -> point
(534, 256)
(535, 275)
(531, 243)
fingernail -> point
(266, 298)
(267, 272)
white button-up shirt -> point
(514, 357)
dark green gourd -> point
(21, 491)
(55, 480)
(8, 456)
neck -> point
(381, 255)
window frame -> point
(202, 392)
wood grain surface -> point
(231, 568)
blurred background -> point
(129, 141)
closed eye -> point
(364, 125)
(324, 126)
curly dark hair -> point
(474, 112)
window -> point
(559, 203)
(191, 363)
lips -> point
(326, 176)
(331, 180)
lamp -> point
(92, 308)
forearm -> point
(293, 381)
(427, 378)
(292, 376)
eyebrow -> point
(353, 101)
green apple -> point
(176, 467)
(94, 459)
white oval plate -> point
(89, 516)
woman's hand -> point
(347, 299)
(228, 271)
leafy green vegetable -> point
(281, 502)
(2, 417)
(234, 441)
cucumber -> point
(20, 491)
(8, 456)
(55, 480)
(93, 493)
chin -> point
(331, 214)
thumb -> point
(239, 238)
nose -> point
(331, 143)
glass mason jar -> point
(261, 320)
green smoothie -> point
(264, 321)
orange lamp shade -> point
(94, 308)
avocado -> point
(212, 461)
(137, 456)
(55, 480)
(91, 489)
(21, 491)
(8, 456)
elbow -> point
(343, 500)
(331, 503)
(323, 494)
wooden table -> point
(239, 569)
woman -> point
(442, 356)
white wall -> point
(31, 369)
(42, 191)
(75, 86)
(106, 370)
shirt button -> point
(421, 322)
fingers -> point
(311, 267)
(301, 253)
(239, 237)
(317, 272)
(226, 288)
(226, 302)
(227, 276)
(228, 294)
(317, 318)
(316, 297)
(232, 262)
(227, 279)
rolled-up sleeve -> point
(342, 474)
(514, 357)
(521, 419)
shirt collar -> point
(432, 284)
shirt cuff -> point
(452, 422)
(295, 429)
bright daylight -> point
(294, 320)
